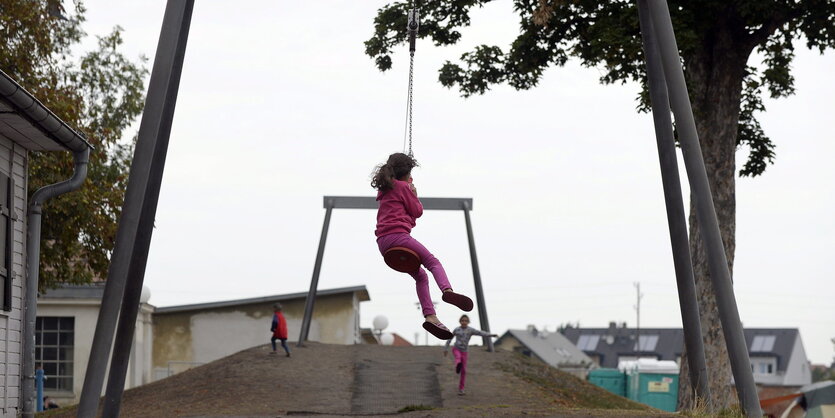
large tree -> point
(100, 93)
(716, 39)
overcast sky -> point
(279, 106)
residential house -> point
(189, 335)
(66, 322)
(549, 347)
(26, 125)
(779, 363)
(607, 347)
(778, 358)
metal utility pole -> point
(674, 203)
(638, 318)
(314, 281)
(479, 290)
(130, 251)
(720, 275)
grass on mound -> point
(567, 390)
(410, 408)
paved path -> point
(386, 380)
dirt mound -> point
(322, 379)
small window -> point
(54, 344)
(7, 218)
(763, 343)
(647, 343)
(763, 366)
(588, 342)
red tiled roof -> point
(400, 341)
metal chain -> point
(409, 104)
(413, 22)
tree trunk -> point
(714, 76)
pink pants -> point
(427, 259)
(461, 357)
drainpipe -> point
(33, 255)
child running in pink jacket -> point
(399, 209)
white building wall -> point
(218, 334)
(797, 370)
(85, 312)
(13, 160)
(141, 363)
(355, 322)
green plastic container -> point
(612, 380)
(652, 385)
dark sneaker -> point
(462, 302)
(438, 330)
(458, 368)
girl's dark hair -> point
(464, 316)
(397, 166)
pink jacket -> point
(399, 208)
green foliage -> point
(101, 94)
(605, 35)
(750, 132)
(820, 374)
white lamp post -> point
(379, 323)
(387, 339)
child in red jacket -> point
(279, 329)
(398, 211)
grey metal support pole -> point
(675, 207)
(162, 93)
(314, 281)
(136, 273)
(479, 291)
(705, 211)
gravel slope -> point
(320, 380)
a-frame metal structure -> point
(429, 203)
(667, 88)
